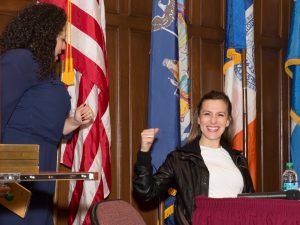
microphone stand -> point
(289, 195)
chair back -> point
(115, 212)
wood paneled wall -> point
(128, 40)
(128, 47)
(273, 88)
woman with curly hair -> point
(35, 103)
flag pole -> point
(161, 212)
(245, 103)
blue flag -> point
(169, 107)
(235, 25)
(163, 108)
(292, 68)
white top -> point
(225, 179)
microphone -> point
(290, 195)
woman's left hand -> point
(83, 114)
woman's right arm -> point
(146, 184)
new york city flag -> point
(240, 35)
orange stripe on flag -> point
(237, 143)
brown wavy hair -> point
(36, 28)
(212, 95)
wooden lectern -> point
(15, 158)
(20, 162)
(19, 158)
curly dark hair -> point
(36, 28)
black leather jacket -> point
(185, 170)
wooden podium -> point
(19, 158)
(20, 163)
(246, 210)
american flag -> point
(89, 148)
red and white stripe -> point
(89, 148)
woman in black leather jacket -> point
(206, 165)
